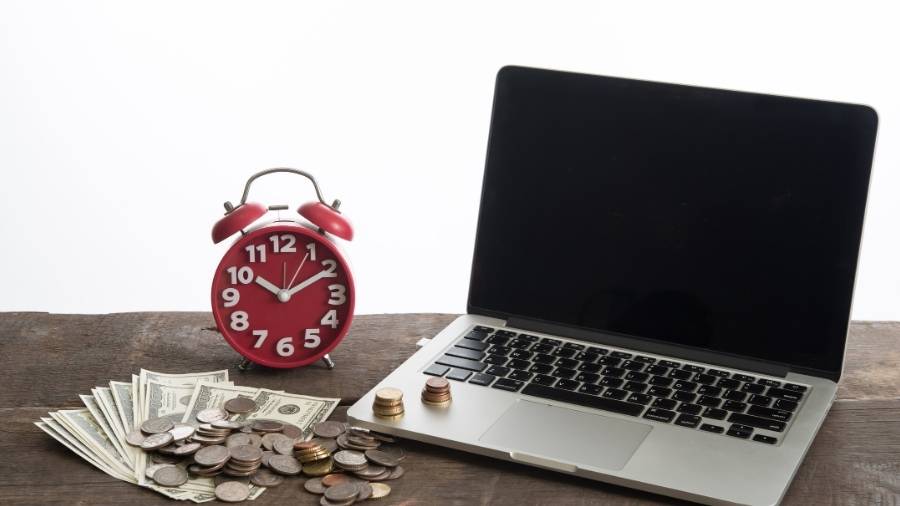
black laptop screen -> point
(713, 219)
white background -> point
(124, 126)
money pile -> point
(362, 462)
(388, 403)
(192, 436)
(436, 392)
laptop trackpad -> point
(535, 432)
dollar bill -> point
(187, 379)
(101, 421)
(121, 393)
(81, 424)
(301, 410)
(59, 433)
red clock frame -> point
(270, 307)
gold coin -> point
(380, 490)
(319, 468)
(389, 394)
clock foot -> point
(244, 364)
(328, 362)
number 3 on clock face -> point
(283, 295)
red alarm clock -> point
(283, 294)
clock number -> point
(330, 266)
(231, 296)
(285, 346)
(253, 250)
(311, 339)
(312, 251)
(330, 318)
(244, 275)
(287, 247)
(338, 294)
(239, 321)
(261, 335)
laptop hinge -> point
(649, 346)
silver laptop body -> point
(620, 389)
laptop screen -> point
(705, 218)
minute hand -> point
(310, 280)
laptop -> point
(660, 289)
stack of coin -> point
(209, 461)
(315, 457)
(358, 439)
(436, 392)
(207, 434)
(350, 460)
(388, 403)
(244, 461)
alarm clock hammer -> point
(309, 313)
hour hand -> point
(261, 281)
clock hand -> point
(267, 285)
(297, 271)
(310, 280)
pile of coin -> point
(388, 403)
(436, 392)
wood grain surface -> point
(49, 359)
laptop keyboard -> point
(655, 388)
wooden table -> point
(51, 358)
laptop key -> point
(543, 348)
(565, 352)
(692, 368)
(587, 388)
(715, 413)
(568, 363)
(691, 409)
(640, 398)
(660, 391)
(631, 365)
(481, 379)
(541, 368)
(482, 328)
(759, 400)
(456, 351)
(591, 401)
(635, 386)
(461, 363)
(543, 358)
(669, 363)
(611, 382)
(660, 381)
(734, 406)
(477, 335)
(472, 344)
(520, 375)
(542, 379)
(586, 356)
(495, 360)
(518, 364)
(706, 400)
(684, 396)
(784, 394)
(436, 370)
(755, 421)
(598, 351)
(686, 420)
(774, 414)
(586, 377)
(728, 383)
(762, 438)
(637, 376)
(684, 386)
(620, 354)
(592, 368)
(458, 374)
(567, 384)
(608, 360)
(508, 384)
(769, 383)
(794, 388)
(519, 344)
(646, 360)
(659, 415)
(656, 369)
(785, 404)
(521, 354)
(497, 340)
(705, 379)
(529, 337)
(496, 370)
(562, 372)
(664, 403)
(734, 395)
(499, 350)
(744, 378)
(753, 388)
(615, 393)
(719, 373)
(708, 427)
(680, 374)
(552, 342)
(708, 390)
(574, 346)
(615, 372)
(506, 333)
(741, 431)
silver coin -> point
(212, 455)
(349, 458)
(171, 476)
(227, 424)
(211, 415)
(240, 405)
(383, 458)
(342, 492)
(396, 472)
(181, 431)
(330, 445)
(266, 478)
(155, 441)
(232, 491)
(245, 453)
(285, 464)
(329, 429)
(292, 431)
(157, 425)
(371, 471)
(365, 491)
(153, 468)
(314, 486)
(268, 440)
(135, 438)
(238, 439)
(187, 449)
(284, 446)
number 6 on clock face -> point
(283, 295)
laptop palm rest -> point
(565, 439)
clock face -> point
(283, 295)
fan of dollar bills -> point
(97, 433)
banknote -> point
(185, 379)
(81, 424)
(300, 410)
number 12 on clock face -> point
(284, 294)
